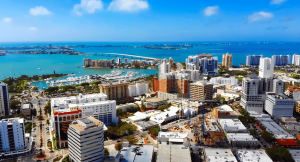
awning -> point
(287, 142)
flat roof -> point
(76, 125)
(145, 154)
(240, 137)
(154, 99)
(253, 155)
(26, 106)
(295, 155)
(173, 134)
(219, 155)
(231, 124)
(164, 152)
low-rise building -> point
(154, 102)
(295, 155)
(86, 140)
(170, 96)
(218, 155)
(26, 109)
(253, 156)
(173, 152)
(124, 107)
(232, 126)
(279, 105)
(242, 140)
(145, 125)
(225, 81)
(173, 137)
(136, 154)
(225, 112)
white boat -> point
(39, 68)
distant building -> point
(253, 155)
(97, 63)
(279, 104)
(199, 89)
(171, 61)
(126, 60)
(14, 141)
(4, 100)
(26, 109)
(242, 140)
(119, 60)
(165, 67)
(226, 81)
(227, 60)
(204, 55)
(86, 140)
(296, 60)
(138, 89)
(115, 90)
(281, 60)
(209, 65)
(266, 67)
(253, 60)
(295, 155)
(218, 155)
(192, 63)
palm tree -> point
(167, 115)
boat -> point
(39, 68)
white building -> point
(119, 60)
(296, 60)
(266, 67)
(279, 104)
(172, 137)
(226, 81)
(253, 60)
(138, 89)
(232, 125)
(192, 63)
(295, 155)
(14, 141)
(242, 140)
(4, 100)
(218, 155)
(86, 140)
(253, 156)
(164, 67)
(281, 60)
(64, 110)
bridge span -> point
(119, 54)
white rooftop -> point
(26, 106)
(240, 137)
(173, 134)
(258, 114)
(219, 155)
(274, 128)
(253, 156)
(295, 155)
(231, 124)
(225, 108)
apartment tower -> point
(227, 60)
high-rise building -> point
(97, 63)
(296, 60)
(278, 104)
(281, 60)
(227, 60)
(164, 67)
(199, 89)
(64, 110)
(192, 63)
(12, 135)
(204, 55)
(138, 89)
(126, 60)
(4, 100)
(115, 90)
(266, 67)
(209, 65)
(86, 140)
(171, 61)
(119, 60)
(253, 60)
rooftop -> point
(219, 155)
(86, 123)
(143, 155)
(240, 137)
(253, 156)
(293, 88)
(26, 106)
(173, 135)
(295, 155)
(169, 153)
(13, 120)
(278, 96)
(231, 124)
(154, 99)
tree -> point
(244, 112)
(267, 136)
(119, 112)
(47, 122)
(253, 132)
(144, 108)
(118, 146)
(147, 119)
(154, 131)
(279, 153)
(132, 140)
(35, 88)
(167, 115)
(15, 104)
(106, 152)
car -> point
(51, 151)
(118, 141)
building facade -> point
(226, 81)
(138, 89)
(4, 100)
(97, 63)
(115, 90)
(281, 60)
(209, 65)
(86, 140)
(253, 60)
(199, 89)
(279, 104)
(26, 109)
(67, 109)
(296, 60)
(227, 60)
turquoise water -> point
(66, 64)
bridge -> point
(124, 55)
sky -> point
(149, 20)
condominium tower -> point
(200, 89)
(4, 100)
(115, 90)
(253, 60)
(227, 60)
(86, 140)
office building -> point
(138, 89)
(252, 155)
(86, 140)
(266, 67)
(281, 60)
(296, 60)
(115, 90)
(218, 155)
(199, 89)
(253, 60)
(4, 100)
(171, 61)
(226, 81)
(242, 140)
(209, 65)
(14, 141)
(279, 104)
(119, 60)
(227, 60)
(26, 109)
(64, 110)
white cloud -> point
(128, 5)
(39, 10)
(89, 6)
(260, 16)
(211, 10)
(33, 28)
(274, 2)
(7, 19)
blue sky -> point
(149, 21)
